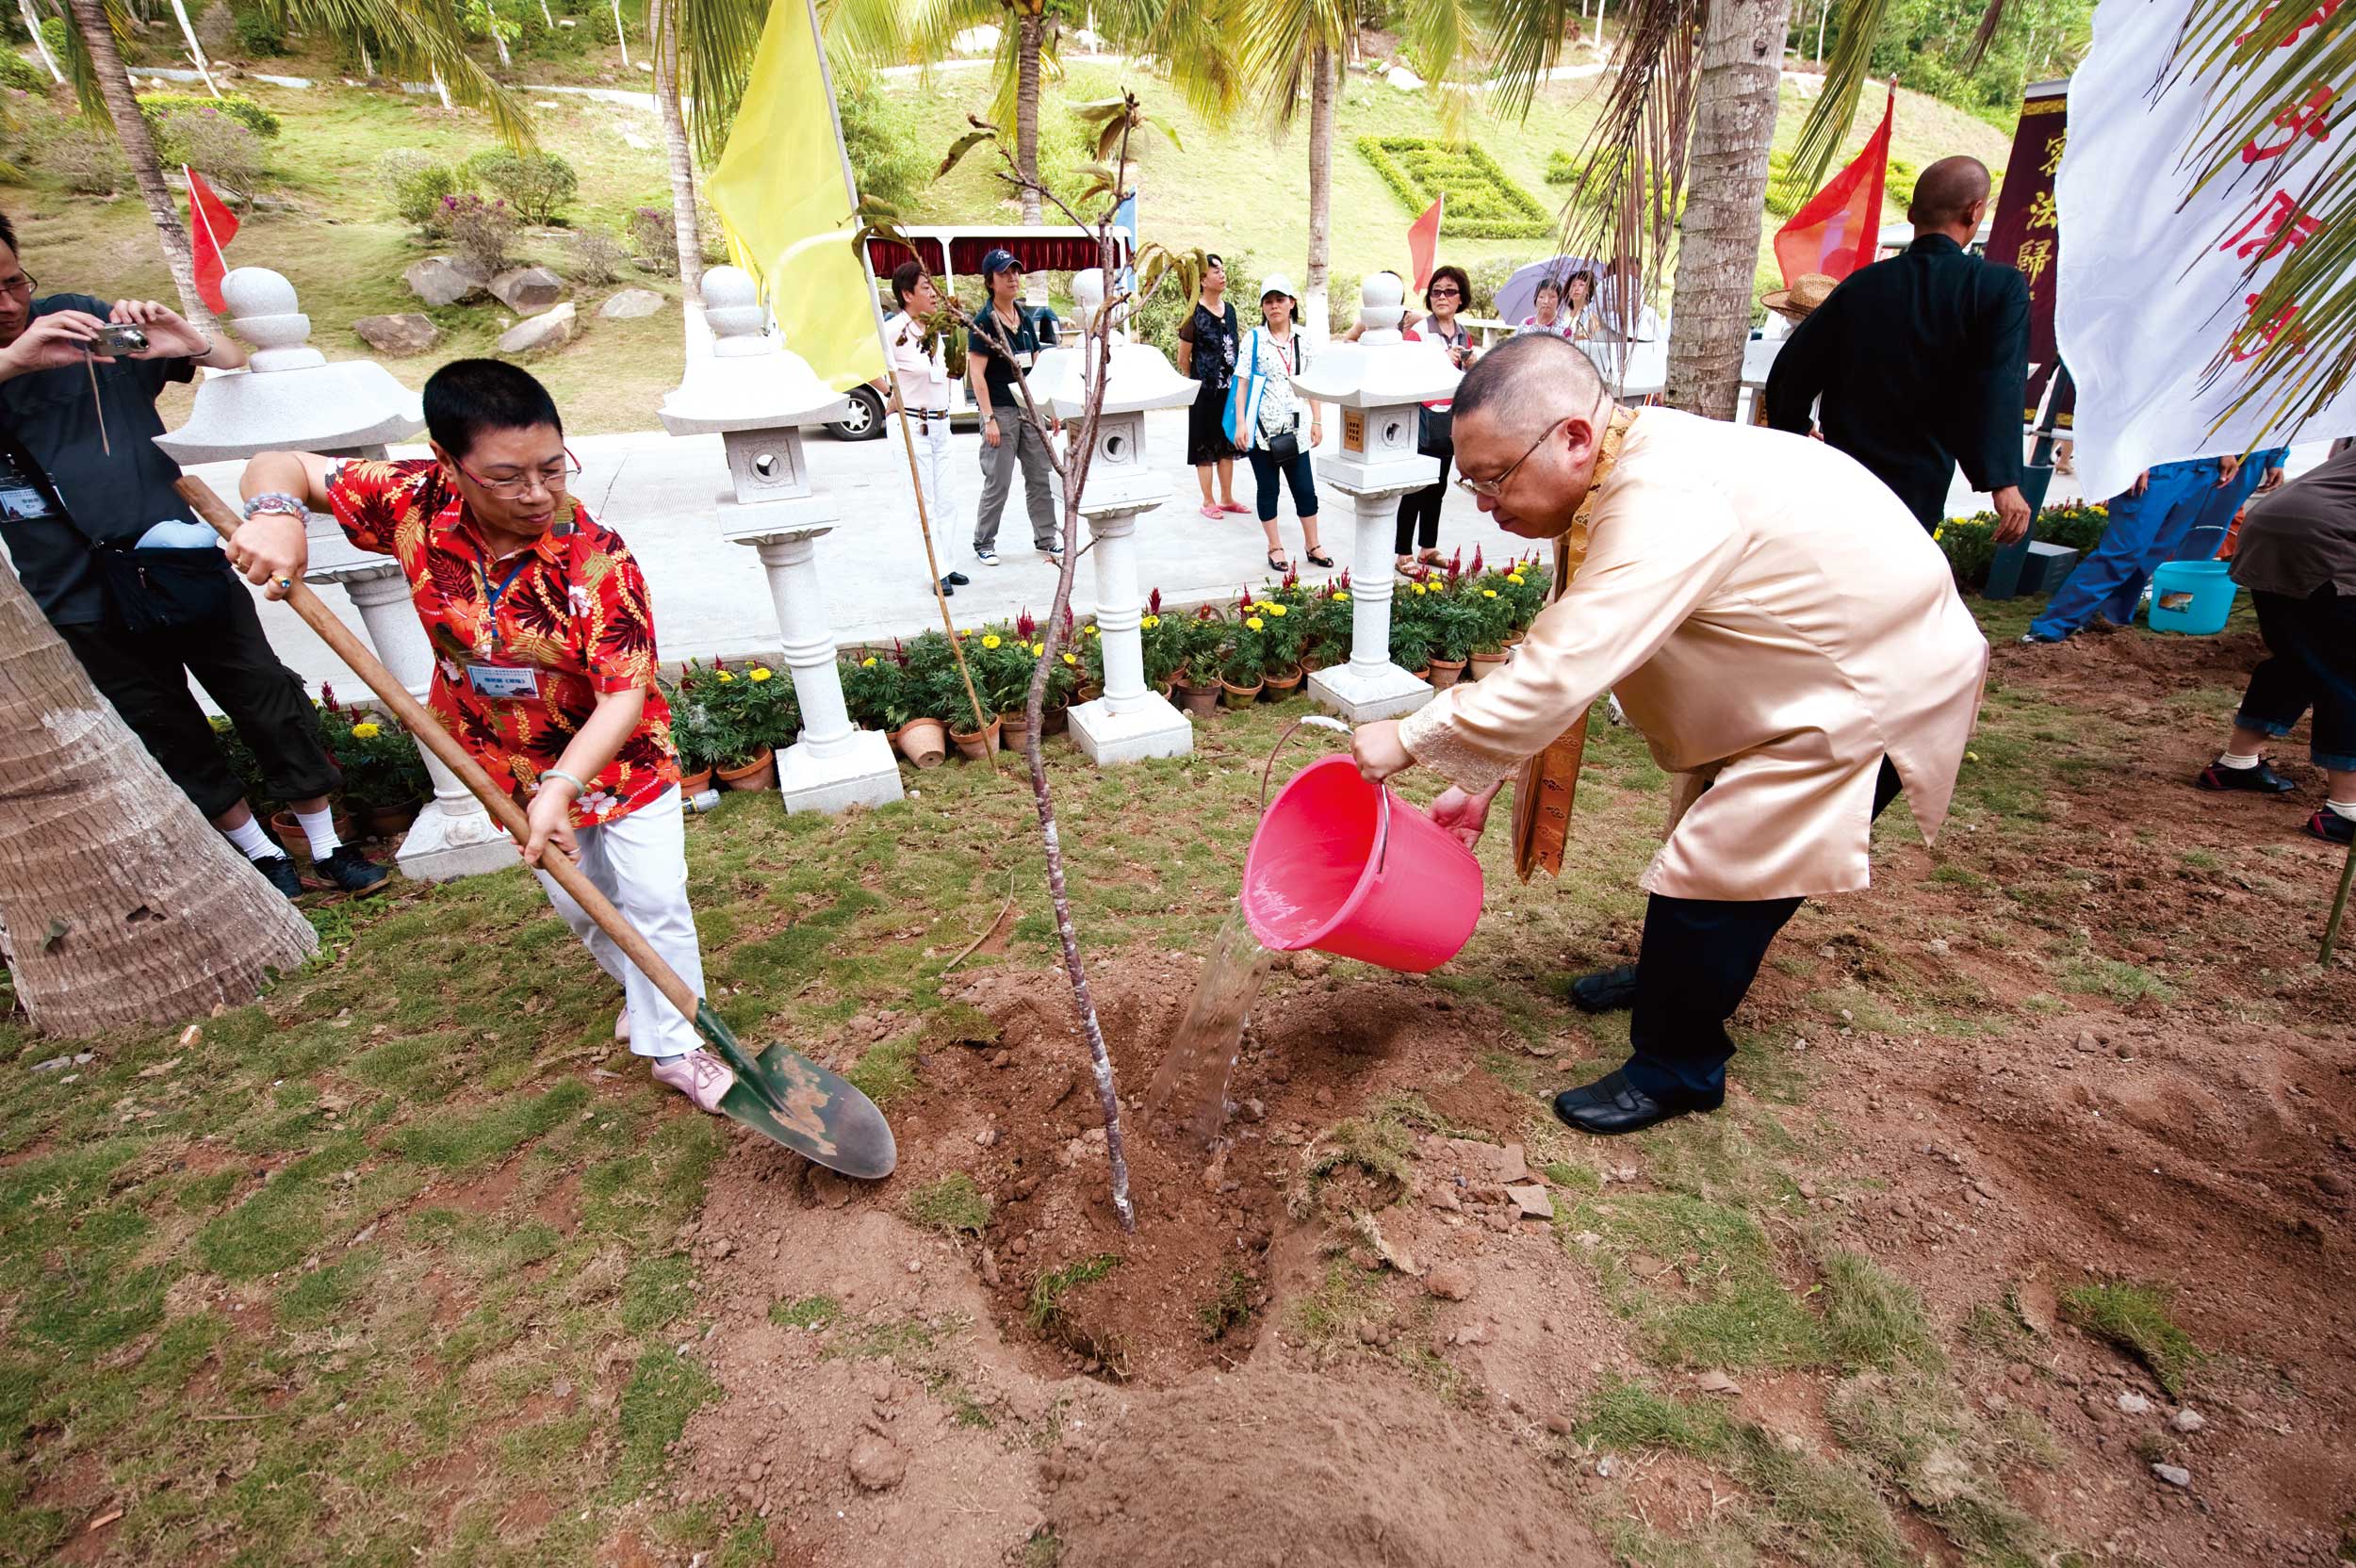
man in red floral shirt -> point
(544, 656)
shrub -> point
(222, 149)
(21, 73)
(875, 690)
(655, 238)
(1482, 202)
(256, 31)
(53, 34)
(880, 134)
(1970, 543)
(597, 257)
(417, 185)
(479, 231)
(154, 106)
(537, 185)
(380, 763)
(86, 162)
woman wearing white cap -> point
(1264, 417)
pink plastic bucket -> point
(1357, 872)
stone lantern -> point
(290, 398)
(757, 395)
(1129, 722)
(1379, 382)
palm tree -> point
(122, 905)
(423, 35)
(196, 49)
(1289, 46)
(679, 151)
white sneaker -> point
(699, 1075)
(987, 558)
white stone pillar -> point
(453, 835)
(1370, 686)
(1129, 723)
(834, 766)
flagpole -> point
(908, 438)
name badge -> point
(503, 681)
(18, 503)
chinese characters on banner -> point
(2156, 286)
(2026, 230)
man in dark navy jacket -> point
(1920, 361)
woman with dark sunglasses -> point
(1445, 298)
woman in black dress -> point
(1206, 351)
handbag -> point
(1284, 445)
(165, 590)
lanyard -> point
(491, 598)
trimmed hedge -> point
(237, 106)
(1482, 202)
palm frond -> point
(81, 72)
(862, 36)
(1441, 36)
(416, 38)
(1835, 109)
(1525, 42)
(1190, 40)
(717, 40)
(1991, 22)
(1282, 39)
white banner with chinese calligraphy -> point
(2156, 284)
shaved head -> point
(1526, 383)
(1527, 421)
(1949, 194)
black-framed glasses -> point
(1451, 292)
(1492, 488)
(552, 478)
(21, 284)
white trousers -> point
(640, 862)
(932, 467)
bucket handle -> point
(1267, 771)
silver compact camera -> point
(117, 338)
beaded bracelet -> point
(276, 501)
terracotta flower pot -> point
(1483, 662)
(386, 821)
(759, 774)
(1240, 696)
(1014, 730)
(1202, 701)
(923, 741)
(1090, 691)
(1282, 686)
(975, 744)
(692, 784)
(1445, 673)
(289, 832)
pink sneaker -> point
(699, 1075)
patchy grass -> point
(955, 1205)
(1045, 1312)
(1231, 1309)
(1698, 1280)
(810, 1312)
(2135, 1318)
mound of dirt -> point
(1269, 1467)
(2109, 667)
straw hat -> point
(1808, 291)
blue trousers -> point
(2144, 530)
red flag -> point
(211, 226)
(1423, 242)
(1839, 228)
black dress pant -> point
(1419, 509)
(1698, 960)
(146, 677)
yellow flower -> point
(1255, 624)
(367, 732)
(868, 663)
(1090, 629)
(1421, 590)
(1341, 599)
(1151, 622)
(1038, 649)
(992, 642)
(1971, 756)
(723, 677)
(1264, 604)
(1937, 534)
(1488, 593)
(1276, 610)
(1516, 578)
(965, 631)
(1072, 659)
(760, 673)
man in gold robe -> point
(1792, 655)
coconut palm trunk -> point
(621, 34)
(1030, 31)
(1325, 87)
(196, 49)
(1734, 127)
(123, 906)
(685, 224)
(139, 150)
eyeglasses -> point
(1492, 488)
(552, 478)
(1447, 294)
(21, 284)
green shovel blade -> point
(791, 1100)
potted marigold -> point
(1451, 626)
(1525, 583)
(691, 733)
(770, 714)
(384, 776)
(1491, 621)
(1243, 662)
(741, 760)
(1203, 638)
(1286, 631)
(922, 734)
(1163, 645)
(946, 688)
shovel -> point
(779, 1094)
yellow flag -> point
(783, 193)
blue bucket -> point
(2191, 597)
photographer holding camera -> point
(136, 587)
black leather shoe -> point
(2262, 778)
(280, 872)
(2330, 826)
(350, 871)
(1605, 991)
(1611, 1105)
(957, 579)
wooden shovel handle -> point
(429, 732)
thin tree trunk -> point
(1029, 31)
(1324, 88)
(1734, 127)
(1823, 11)
(498, 39)
(685, 224)
(547, 20)
(368, 65)
(196, 49)
(621, 34)
(139, 150)
(441, 87)
(32, 25)
(123, 904)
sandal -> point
(1428, 558)
(1318, 558)
(1238, 508)
(1212, 512)
(1276, 562)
